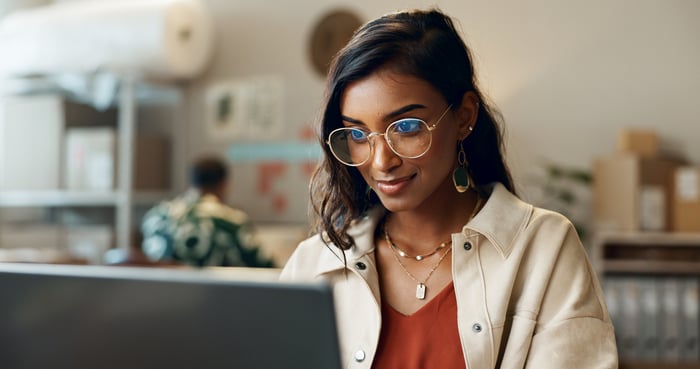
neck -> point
(422, 230)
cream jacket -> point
(527, 295)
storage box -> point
(90, 159)
(632, 193)
(31, 128)
(641, 142)
(686, 200)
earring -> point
(460, 176)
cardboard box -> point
(641, 142)
(686, 199)
(31, 128)
(632, 193)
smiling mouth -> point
(393, 186)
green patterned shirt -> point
(200, 231)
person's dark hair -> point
(423, 44)
(207, 173)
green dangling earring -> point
(460, 176)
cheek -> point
(364, 172)
(442, 156)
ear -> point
(467, 114)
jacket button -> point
(467, 245)
(360, 356)
(360, 265)
(476, 328)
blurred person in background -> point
(198, 228)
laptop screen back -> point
(88, 317)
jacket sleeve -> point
(580, 342)
(573, 328)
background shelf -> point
(57, 198)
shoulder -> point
(315, 257)
(212, 208)
(307, 260)
(549, 222)
(511, 224)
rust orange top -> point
(427, 338)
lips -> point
(393, 186)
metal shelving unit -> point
(123, 198)
(649, 255)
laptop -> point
(106, 317)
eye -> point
(357, 135)
(407, 126)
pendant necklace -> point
(421, 289)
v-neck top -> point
(428, 338)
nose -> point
(383, 157)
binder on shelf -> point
(612, 288)
(690, 338)
(648, 319)
(629, 345)
(670, 319)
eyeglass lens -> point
(409, 138)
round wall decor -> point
(330, 34)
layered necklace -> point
(421, 289)
(404, 254)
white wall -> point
(7, 6)
(567, 75)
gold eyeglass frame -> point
(385, 135)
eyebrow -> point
(391, 115)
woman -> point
(434, 260)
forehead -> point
(385, 91)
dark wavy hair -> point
(423, 44)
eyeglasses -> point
(408, 138)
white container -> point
(31, 128)
(90, 158)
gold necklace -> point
(421, 288)
(404, 254)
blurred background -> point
(105, 104)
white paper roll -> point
(164, 39)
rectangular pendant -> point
(420, 291)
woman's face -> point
(401, 184)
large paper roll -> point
(164, 39)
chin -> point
(396, 205)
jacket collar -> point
(501, 220)
(362, 231)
